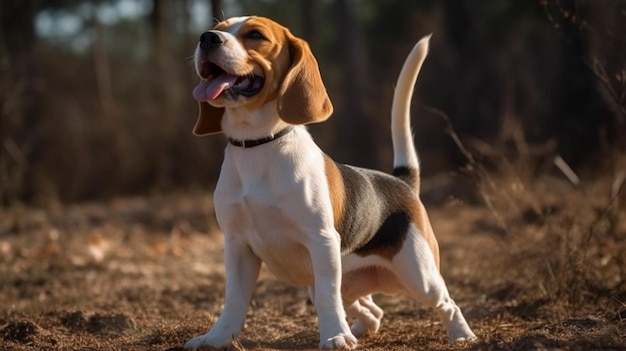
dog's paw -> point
(464, 334)
(208, 340)
(360, 329)
(370, 326)
(457, 327)
(367, 323)
(341, 341)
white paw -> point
(369, 327)
(462, 334)
(209, 340)
(341, 341)
(457, 327)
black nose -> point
(209, 40)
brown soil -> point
(147, 274)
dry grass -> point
(147, 274)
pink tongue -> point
(208, 90)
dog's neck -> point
(249, 143)
(244, 123)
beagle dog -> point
(344, 232)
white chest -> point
(267, 197)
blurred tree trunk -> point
(354, 126)
(103, 71)
(216, 11)
(159, 27)
(167, 85)
(158, 24)
(165, 80)
(308, 22)
(19, 95)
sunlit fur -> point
(344, 232)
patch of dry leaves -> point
(147, 274)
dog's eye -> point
(255, 34)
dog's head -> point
(250, 61)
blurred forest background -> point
(95, 96)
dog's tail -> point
(405, 162)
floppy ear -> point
(302, 98)
(209, 120)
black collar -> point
(256, 142)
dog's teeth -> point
(242, 82)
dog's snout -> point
(209, 40)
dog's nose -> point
(210, 40)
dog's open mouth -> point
(217, 81)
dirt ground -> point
(539, 268)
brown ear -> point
(302, 98)
(209, 120)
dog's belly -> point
(273, 238)
(289, 263)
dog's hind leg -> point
(367, 314)
(356, 289)
(416, 268)
(363, 309)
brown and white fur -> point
(342, 231)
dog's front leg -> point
(326, 258)
(242, 272)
